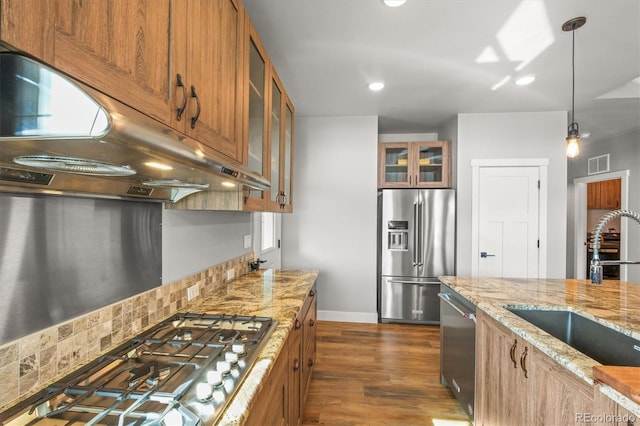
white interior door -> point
(508, 222)
(267, 239)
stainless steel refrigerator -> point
(416, 244)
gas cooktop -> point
(184, 371)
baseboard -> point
(366, 317)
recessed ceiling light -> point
(376, 86)
(524, 80)
(394, 3)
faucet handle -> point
(595, 272)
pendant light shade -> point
(573, 132)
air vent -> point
(24, 176)
(80, 166)
(139, 190)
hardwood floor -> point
(379, 374)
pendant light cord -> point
(573, 75)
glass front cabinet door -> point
(414, 165)
(258, 113)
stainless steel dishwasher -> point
(457, 345)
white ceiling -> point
(427, 53)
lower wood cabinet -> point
(282, 398)
(516, 384)
(271, 406)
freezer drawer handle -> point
(447, 299)
(414, 282)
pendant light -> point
(573, 133)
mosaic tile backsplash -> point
(31, 362)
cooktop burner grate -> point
(184, 371)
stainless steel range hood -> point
(58, 135)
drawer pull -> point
(512, 353)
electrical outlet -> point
(231, 273)
(246, 240)
(193, 292)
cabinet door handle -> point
(311, 322)
(183, 105)
(298, 324)
(512, 353)
(312, 293)
(410, 180)
(197, 114)
(310, 363)
(296, 364)
(523, 362)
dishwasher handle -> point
(446, 297)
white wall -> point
(624, 151)
(333, 226)
(407, 137)
(514, 135)
(195, 240)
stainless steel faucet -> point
(595, 270)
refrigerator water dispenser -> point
(398, 235)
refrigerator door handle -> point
(416, 248)
(420, 231)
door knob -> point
(485, 254)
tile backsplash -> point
(31, 362)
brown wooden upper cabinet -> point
(604, 195)
(414, 165)
(175, 61)
(197, 66)
(119, 47)
(256, 113)
(207, 72)
(269, 128)
(280, 147)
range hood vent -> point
(80, 166)
(53, 126)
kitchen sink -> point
(603, 344)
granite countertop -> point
(278, 294)
(613, 304)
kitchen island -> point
(613, 304)
(279, 294)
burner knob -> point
(214, 378)
(224, 367)
(204, 391)
(238, 348)
(232, 357)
